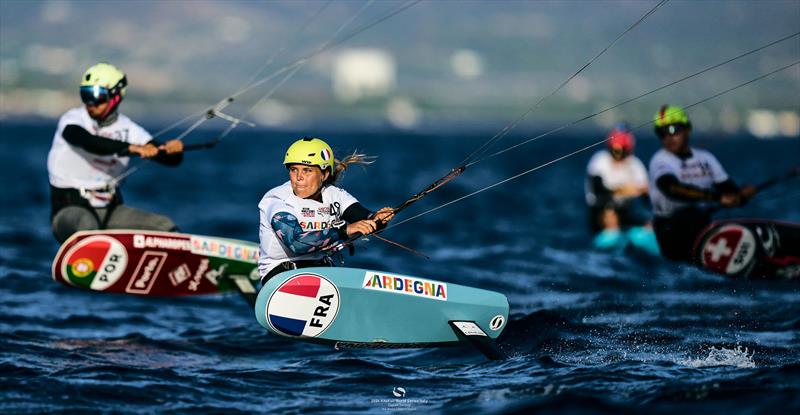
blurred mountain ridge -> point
(450, 63)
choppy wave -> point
(736, 357)
(589, 332)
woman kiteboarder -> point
(307, 214)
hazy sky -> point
(450, 59)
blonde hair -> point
(341, 165)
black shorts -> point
(676, 234)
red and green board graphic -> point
(154, 263)
(95, 263)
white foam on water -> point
(738, 357)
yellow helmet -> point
(106, 76)
(103, 83)
(670, 115)
(311, 152)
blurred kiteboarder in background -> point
(686, 184)
(90, 150)
(616, 193)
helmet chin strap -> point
(110, 114)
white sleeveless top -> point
(701, 169)
(72, 167)
(311, 214)
(615, 174)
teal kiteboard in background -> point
(351, 307)
(637, 239)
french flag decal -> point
(304, 305)
(325, 154)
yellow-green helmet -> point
(311, 152)
(670, 115)
(106, 76)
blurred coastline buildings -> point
(443, 64)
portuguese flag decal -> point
(96, 263)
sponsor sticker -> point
(400, 284)
(325, 154)
(212, 276)
(179, 275)
(769, 238)
(304, 305)
(254, 275)
(96, 262)
(469, 328)
(729, 250)
(146, 273)
(198, 275)
(497, 322)
(82, 267)
(222, 248)
(307, 212)
(160, 242)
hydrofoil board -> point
(156, 263)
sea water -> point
(589, 331)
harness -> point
(105, 193)
(61, 198)
(290, 265)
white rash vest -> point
(311, 215)
(701, 170)
(629, 171)
(71, 167)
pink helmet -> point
(621, 138)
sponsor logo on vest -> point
(307, 212)
(179, 275)
(157, 242)
(221, 248)
(96, 262)
(314, 226)
(729, 250)
(304, 305)
(695, 169)
(146, 273)
(336, 209)
(400, 284)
